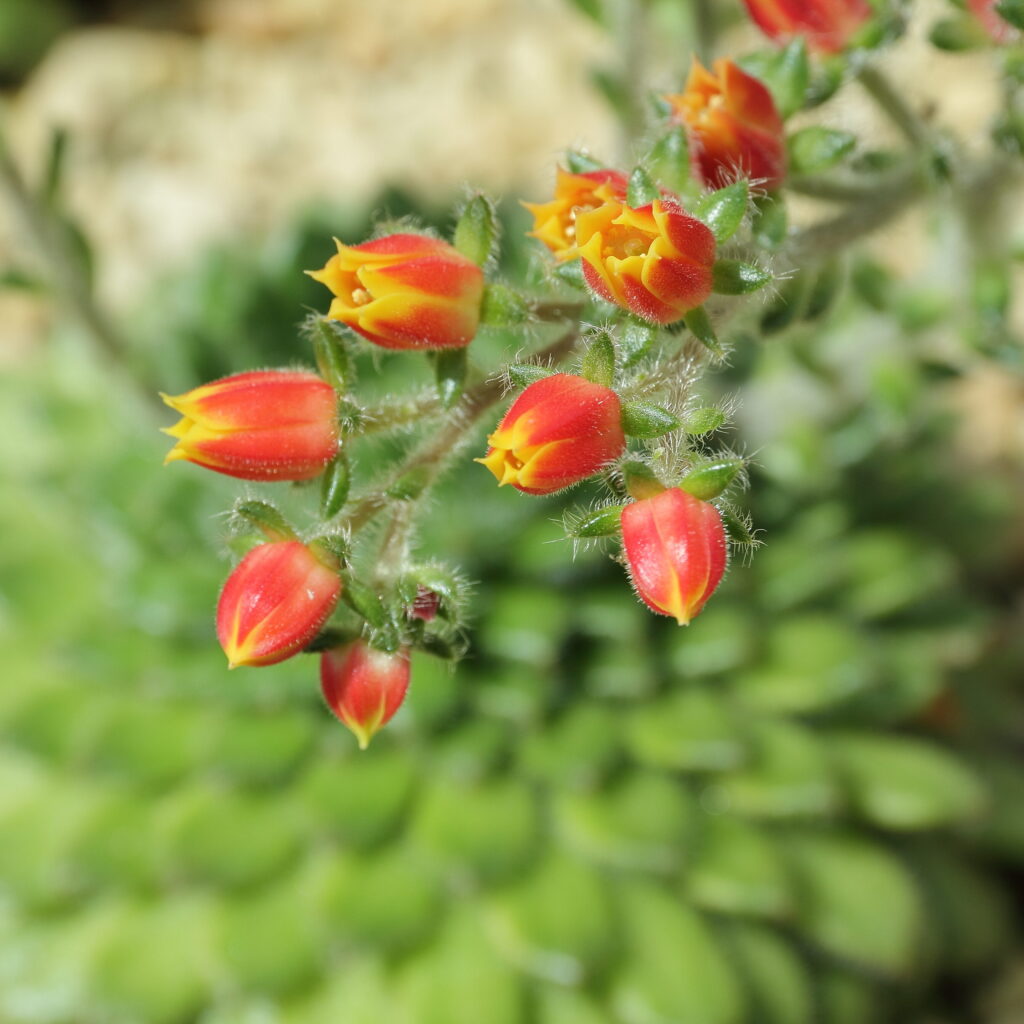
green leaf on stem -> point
(265, 517)
(476, 232)
(599, 359)
(364, 601)
(503, 307)
(723, 210)
(817, 149)
(699, 324)
(738, 528)
(601, 522)
(634, 343)
(733, 277)
(703, 421)
(580, 162)
(641, 189)
(957, 34)
(333, 358)
(786, 72)
(709, 481)
(770, 221)
(522, 375)
(334, 486)
(645, 419)
(670, 159)
(571, 273)
(450, 367)
(826, 288)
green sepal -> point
(827, 76)
(334, 486)
(817, 149)
(733, 277)
(333, 358)
(703, 421)
(450, 648)
(477, 229)
(738, 528)
(445, 583)
(635, 342)
(409, 485)
(265, 517)
(826, 288)
(365, 601)
(571, 273)
(598, 364)
(579, 162)
(723, 210)
(331, 548)
(351, 416)
(670, 159)
(640, 480)
(601, 522)
(503, 307)
(522, 375)
(785, 72)
(699, 324)
(645, 419)
(709, 481)
(957, 34)
(1011, 11)
(771, 221)
(450, 368)
(641, 189)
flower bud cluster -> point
(634, 258)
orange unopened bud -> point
(405, 291)
(676, 551)
(364, 687)
(733, 124)
(559, 431)
(554, 223)
(654, 260)
(261, 425)
(828, 25)
(274, 603)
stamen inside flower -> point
(360, 296)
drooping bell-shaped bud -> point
(364, 687)
(275, 602)
(676, 551)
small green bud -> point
(816, 149)
(723, 210)
(733, 277)
(703, 421)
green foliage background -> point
(808, 806)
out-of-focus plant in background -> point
(805, 806)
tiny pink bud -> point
(261, 425)
(559, 431)
(426, 604)
(676, 551)
(364, 687)
(274, 603)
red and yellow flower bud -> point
(364, 687)
(554, 223)
(654, 260)
(261, 425)
(275, 602)
(828, 25)
(676, 551)
(559, 431)
(734, 127)
(405, 291)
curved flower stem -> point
(389, 415)
(914, 129)
(436, 451)
(849, 189)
